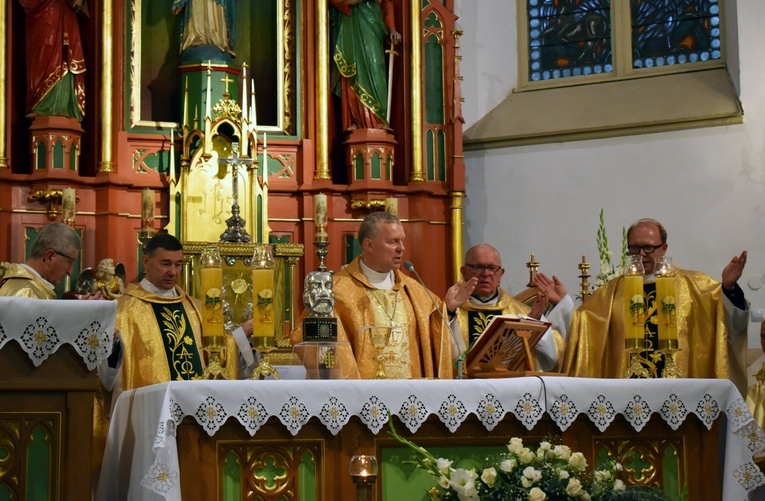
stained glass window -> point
(569, 38)
(667, 32)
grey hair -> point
(55, 236)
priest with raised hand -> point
(711, 319)
(484, 264)
(372, 291)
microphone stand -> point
(410, 267)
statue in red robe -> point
(55, 60)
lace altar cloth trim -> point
(251, 403)
(42, 326)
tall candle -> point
(391, 206)
(244, 148)
(208, 94)
(212, 286)
(262, 303)
(68, 202)
(320, 214)
(172, 155)
(633, 307)
(147, 210)
(185, 104)
(666, 309)
(253, 113)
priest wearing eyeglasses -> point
(484, 263)
(51, 258)
(711, 319)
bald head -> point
(483, 262)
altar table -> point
(142, 455)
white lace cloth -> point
(147, 417)
(41, 327)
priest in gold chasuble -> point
(483, 262)
(51, 257)
(371, 291)
(711, 319)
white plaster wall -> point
(706, 185)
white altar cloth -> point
(41, 327)
(141, 459)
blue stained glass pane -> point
(535, 66)
(571, 35)
(681, 28)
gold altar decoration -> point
(634, 319)
(236, 293)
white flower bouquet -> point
(549, 472)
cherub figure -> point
(108, 279)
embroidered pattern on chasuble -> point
(181, 351)
(651, 330)
(389, 309)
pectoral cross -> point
(235, 230)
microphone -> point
(408, 266)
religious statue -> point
(358, 76)
(207, 29)
(108, 279)
(55, 59)
(319, 300)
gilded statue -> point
(108, 279)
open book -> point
(504, 348)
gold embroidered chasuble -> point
(596, 335)
(420, 345)
(146, 337)
(20, 282)
(473, 318)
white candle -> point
(391, 206)
(68, 202)
(208, 105)
(320, 214)
(244, 147)
(147, 210)
(253, 113)
(185, 104)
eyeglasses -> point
(479, 268)
(647, 249)
(71, 259)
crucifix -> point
(235, 230)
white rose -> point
(537, 494)
(577, 461)
(526, 455)
(532, 474)
(563, 452)
(619, 486)
(489, 476)
(602, 475)
(515, 445)
(563, 474)
(443, 465)
(618, 466)
(525, 482)
(507, 465)
(574, 488)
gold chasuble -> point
(20, 282)
(162, 337)
(419, 344)
(596, 337)
(473, 318)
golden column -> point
(322, 92)
(416, 174)
(457, 233)
(106, 164)
(3, 81)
